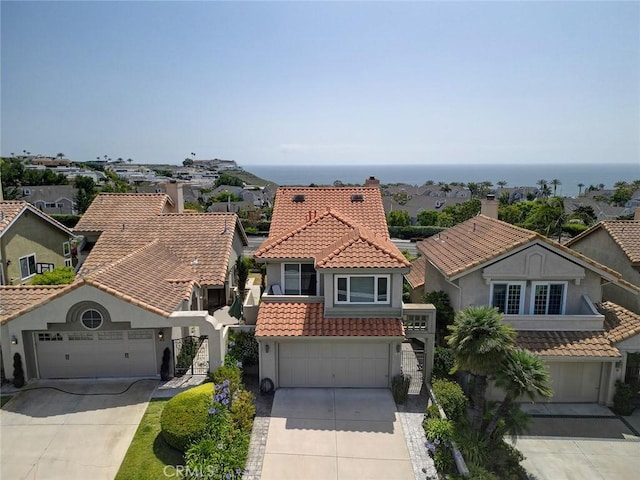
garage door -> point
(337, 364)
(95, 354)
(575, 381)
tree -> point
(445, 188)
(401, 197)
(226, 179)
(187, 162)
(501, 184)
(622, 195)
(522, 373)
(555, 182)
(398, 218)
(547, 217)
(428, 218)
(242, 273)
(580, 186)
(18, 372)
(444, 314)
(60, 155)
(86, 192)
(479, 340)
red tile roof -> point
(620, 323)
(11, 210)
(626, 233)
(417, 274)
(112, 211)
(362, 204)
(288, 319)
(19, 299)
(567, 344)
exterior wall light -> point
(14, 340)
(266, 348)
(398, 347)
(161, 335)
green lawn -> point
(148, 453)
(5, 399)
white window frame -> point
(92, 310)
(533, 297)
(35, 261)
(523, 294)
(375, 289)
(68, 262)
(66, 249)
(283, 278)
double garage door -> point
(128, 353)
(333, 364)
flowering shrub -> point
(439, 435)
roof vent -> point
(357, 197)
(298, 198)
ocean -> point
(515, 175)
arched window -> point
(91, 319)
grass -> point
(4, 399)
(148, 453)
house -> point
(332, 314)
(150, 274)
(615, 243)
(31, 242)
(51, 199)
(548, 292)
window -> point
(50, 205)
(547, 298)
(362, 289)
(91, 319)
(68, 262)
(299, 279)
(508, 298)
(50, 337)
(27, 266)
(66, 249)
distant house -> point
(332, 314)
(51, 199)
(31, 242)
(151, 275)
(548, 292)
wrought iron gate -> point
(191, 355)
(413, 365)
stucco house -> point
(150, 274)
(31, 242)
(332, 314)
(51, 199)
(548, 292)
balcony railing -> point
(586, 318)
(419, 317)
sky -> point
(322, 83)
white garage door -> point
(575, 381)
(95, 354)
(337, 364)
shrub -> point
(232, 373)
(451, 398)
(243, 410)
(166, 364)
(480, 473)
(57, 276)
(184, 417)
(433, 411)
(505, 461)
(472, 444)
(244, 348)
(443, 362)
(438, 429)
(622, 399)
(400, 387)
(18, 372)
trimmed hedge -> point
(185, 417)
(451, 398)
(414, 231)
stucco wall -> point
(28, 235)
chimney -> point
(489, 206)
(636, 215)
(372, 182)
(174, 190)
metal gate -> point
(413, 365)
(191, 355)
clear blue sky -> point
(322, 83)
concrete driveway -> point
(48, 434)
(327, 434)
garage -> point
(117, 353)
(333, 364)
(575, 381)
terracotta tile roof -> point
(109, 211)
(418, 271)
(619, 323)
(288, 319)
(361, 248)
(626, 233)
(19, 299)
(10, 210)
(366, 210)
(197, 239)
(567, 344)
(472, 243)
(162, 292)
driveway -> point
(569, 442)
(330, 434)
(48, 434)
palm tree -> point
(601, 186)
(555, 182)
(479, 340)
(60, 155)
(501, 184)
(445, 188)
(523, 373)
(541, 183)
(580, 185)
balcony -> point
(586, 318)
(418, 318)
